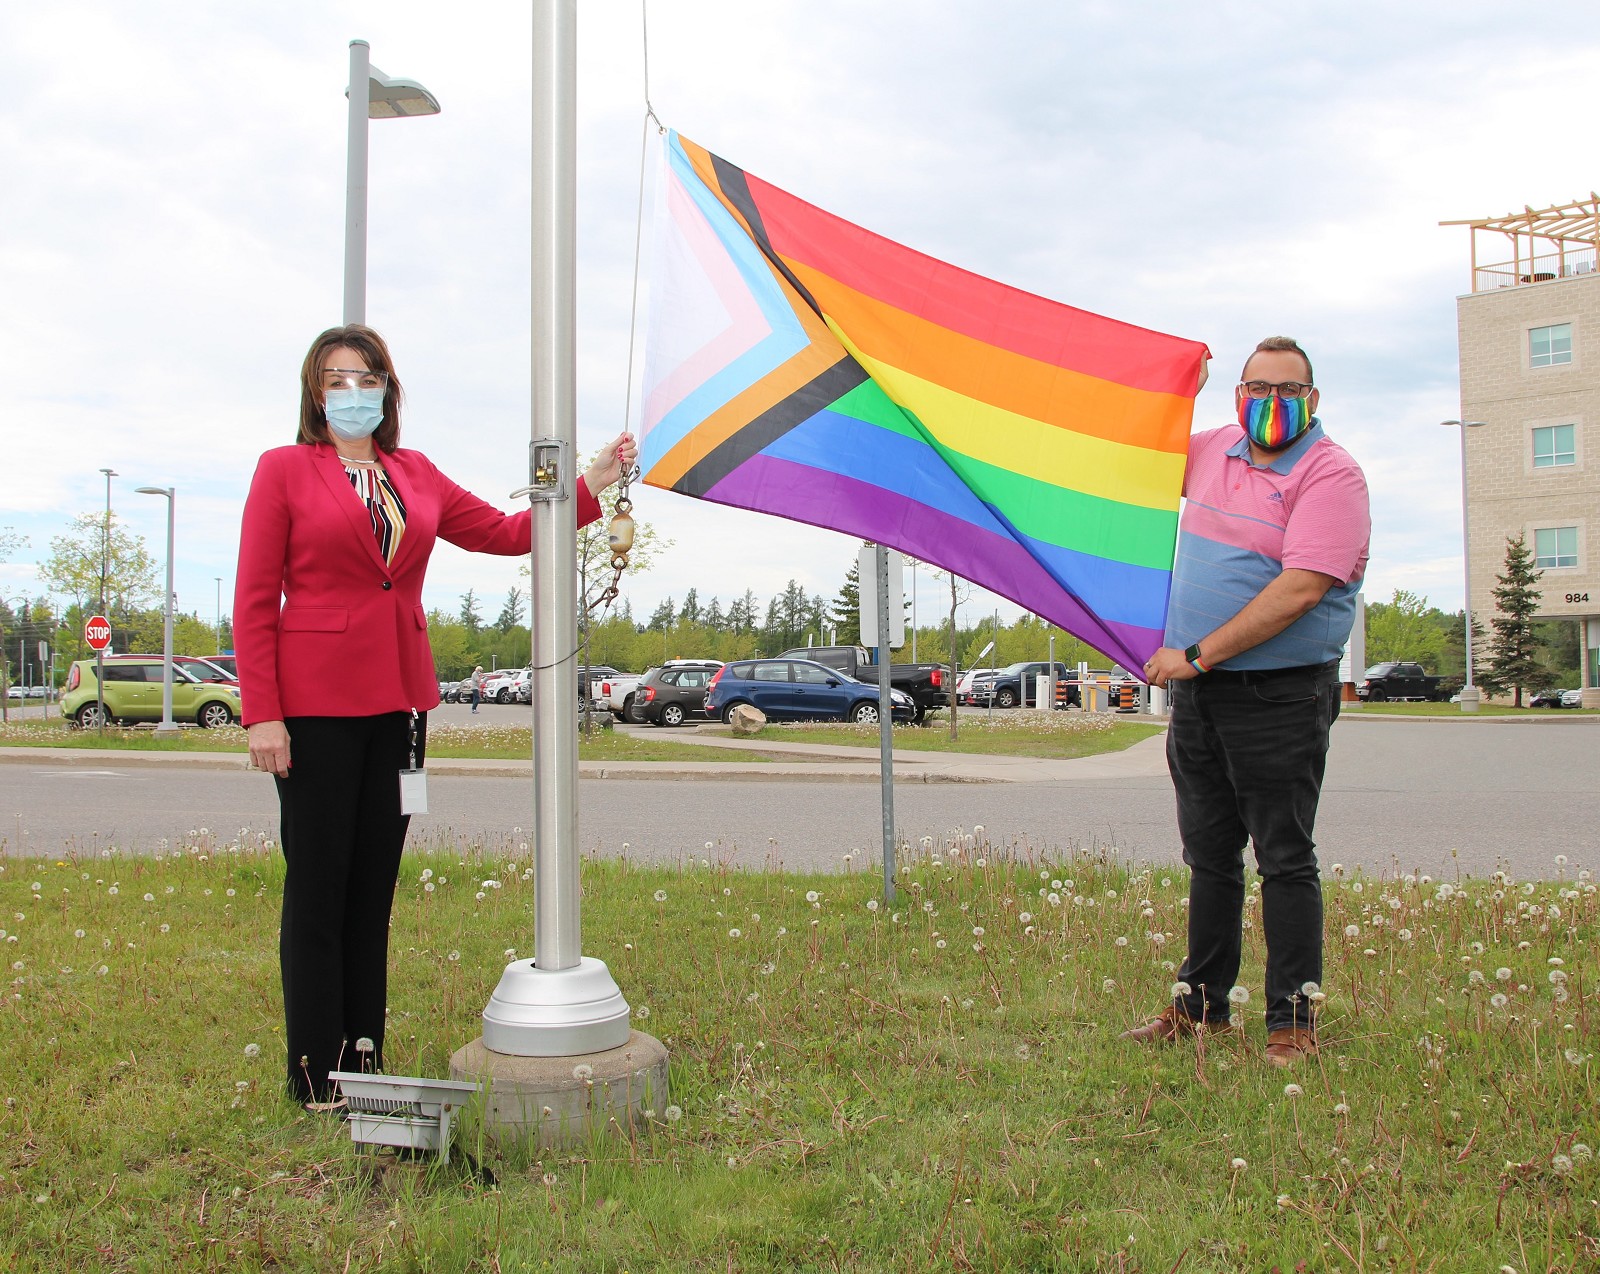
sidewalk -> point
(825, 763)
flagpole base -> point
(536, 1013)
(544, 1102)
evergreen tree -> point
(715, 620)
(470, 616)
(661, 618)
(846, 610)
(690, 612)
(742, 614)
(511, 612)
(817, 618)
(1513, 662)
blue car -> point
(799, 690)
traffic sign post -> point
(97, 632)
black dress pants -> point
(1247, 752)
(342, 833)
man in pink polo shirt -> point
(1271, 552)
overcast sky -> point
(171, 224)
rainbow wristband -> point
(1193, 656)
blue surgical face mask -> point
(353, 413)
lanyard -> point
(413, 738)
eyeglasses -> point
(353, 378)
(1266, 389)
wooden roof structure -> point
(1569, 231)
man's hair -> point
(367, 343)
(1283, 344)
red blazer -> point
(322, 625)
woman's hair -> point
(367, 343)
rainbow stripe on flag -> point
(802, 366)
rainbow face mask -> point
(1273, 422)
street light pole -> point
(383, 99)
(105, 569)
(167, 726)
(219, 614)
(1469, 692)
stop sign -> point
(97, 632)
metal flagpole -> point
(560, 1003)
(885, 722)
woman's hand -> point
(269, 747)
(612, 460)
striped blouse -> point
(383, 504)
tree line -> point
(99, 566)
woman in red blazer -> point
(337, 675)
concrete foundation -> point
(552, 1102)
(1470, 699)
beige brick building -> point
(1530, 371)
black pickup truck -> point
(1394, 679)
(927, 684)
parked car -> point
(1549, 698)
(616, 692)
(228, 663)
(799, 690)
(133, 692)
(16, 692)
(598, 675)
(928, 685)
(1019, 683)
(1572, 698)
(198, 667)
(1396, 679)
(671, 696)
(968, 682)
(497, 685)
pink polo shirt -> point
(1244, 524)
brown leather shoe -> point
(1290, 1044)
(1168, 1025)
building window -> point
(1548, 346)
(1554, 445)
(1555, 546)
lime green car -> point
(133, 693)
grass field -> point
(933, 1085)
(1454, 710)
(1060, 735)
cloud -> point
(173, 221)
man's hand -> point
(269, 747)
(1167, 665)
(610, 463)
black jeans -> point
(342, 833)
(1247, 753)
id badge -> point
(413, 791)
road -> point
(1439, 797)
